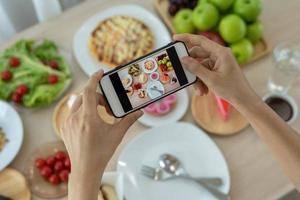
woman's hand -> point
(216, 68)
(90, 141)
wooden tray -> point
(206, 114)
(14, 185)
(261, 48)
(62, 111)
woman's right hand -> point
(216, 68)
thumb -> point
(127, 121)
(192, 65)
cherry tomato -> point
(58, 166)
(60, 155)
(53, 64)
(16, 98)
(54, 179)
(22, 89)
(64, 175)
(40, 163)
(67, 163)
(6, 75)
(51, 161)
(52, 79)
(14, 62)
(46, 171)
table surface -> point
(254, 172)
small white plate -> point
(80, 42)
(199, 155)
(147, 71)
(176, 114)
(12, 126)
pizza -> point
(120, 39)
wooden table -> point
(254, 172)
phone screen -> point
(148, 79)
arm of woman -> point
(218, 71)
(90, 141)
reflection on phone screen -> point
(148, 79)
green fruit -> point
(183, 21)
(255, 31)
(242, 50)
(205, 16)
(249, 10)
(222, 5)
(202, 2)
(232, 28)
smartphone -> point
(147, 79)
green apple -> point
(205, 16)
(203, 1)
(222, 5)
(254, 31)
(232, 28)
(183, 21)
(242, 50)
(249, 10)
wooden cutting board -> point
(13, 185)
(261, 48)
(206, 114)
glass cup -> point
(286, 57)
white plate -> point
(80, 42)
(199, 154)
(153, 94)
(176, 114)
(11, 123)
(114, 179)
(147, 71)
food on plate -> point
(205, 17)
(164, 63)
(174, 80)
(107, 192)
(127, 81)
(165, 78)
(163, 106)
(143, 78)
(149, 65)
(154, 76)
(223, 107)
(134, 70)
(255, 31)
(183, 21)
(176, 5)
(249, 10)
(3, 139)
(232, 28)
(120, 39)
(33, 74)
(223, 21)
(242, 50)
(129, 91)
(55, 168)
(137, 86)
(142, 94)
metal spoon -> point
(173, 166)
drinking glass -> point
(286, 59)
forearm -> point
(84, 184)
(283, 141)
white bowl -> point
(12, 126)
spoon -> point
(173, 166)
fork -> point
(159, 174)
